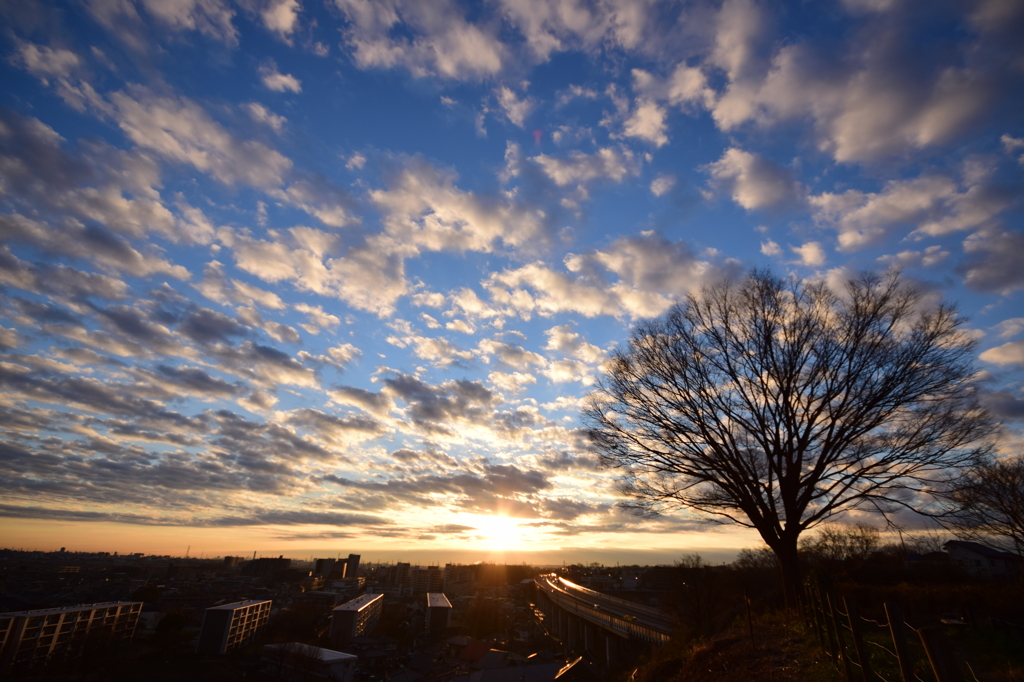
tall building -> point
(29, 638)
(266, 567)
(352, 567)
(232, 626)
(439, 612)
(355, 618)
(323, 567)
(459, 581)
(429, 579)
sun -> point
(498, 532)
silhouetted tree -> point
(834, 543)
(776, 405)
(988, 504)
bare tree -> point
(988, 504)
(777, 405)
(833, 542)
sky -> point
(318, 276)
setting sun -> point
(498, 532)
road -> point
(618, 615)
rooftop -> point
(328, 656)
(359, 603)
(238, 605)
(64, 609)
(437, 600)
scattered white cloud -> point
(647, 122)
(261, 114)
(753, 181)
(1008, 354)
(932, 205)
(609, 163)
(278, 82)
(436, 40)
(662, 184)
(516, 109)
(811, 254)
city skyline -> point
(289, 276)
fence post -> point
(839, 637)
(939, 655)
(858, 640)
(899, 640)
(815, 616)
(822, 600)
(750, 621)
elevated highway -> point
(582, 618)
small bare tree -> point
(776, 405)
(988, 505)
(833, 542)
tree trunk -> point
(789, 562)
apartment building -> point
(30, 638)
(356, 617)
(231, 626)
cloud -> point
(930, 256)
(369, 276)
(424, 209)
(425, 40)
(281, 17)
(516, 110)
(634, 277)
(1004, 405)
(609, 163)
(647, 122)
(91, 243)
(993, 261)
(212, 18)
(754, 181)
(261, 114)
(875, 102)
(511, 355)
(811, 254)
(933, 205)
(179, 130)
(218, 288)
(1008, 354)
(564, 25)
(662, 184)
(278, 82)
(316, 195)
(564, 339)
(46, 62)
(115, 189)
(511, 382)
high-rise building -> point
(459, 581)
(266, 567)
(230, 626)
(439, 612)
(29, 638)
(352, 567)
(428, 579)
(324, 567)
(355, 618)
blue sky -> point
(299, 274)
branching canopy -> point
(775, 405)
(988, 504)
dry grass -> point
(784, 652)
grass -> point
(782, 650)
